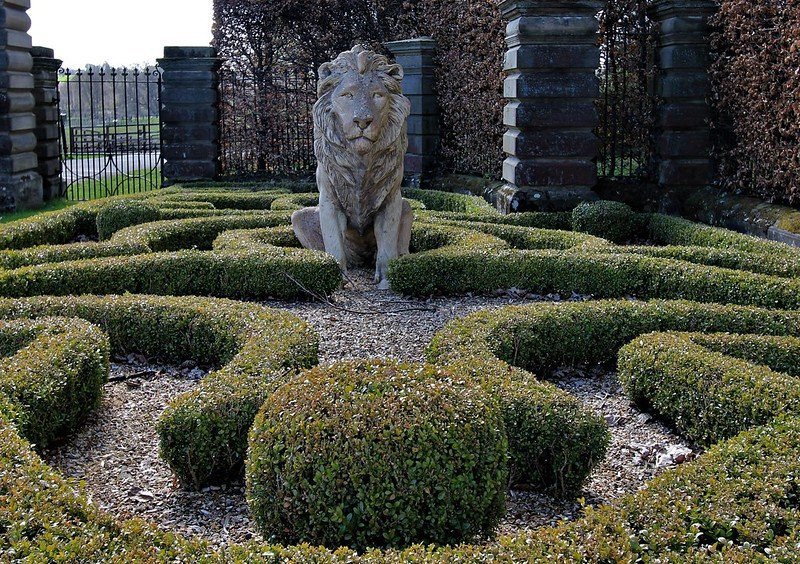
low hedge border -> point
(703, 386)
(203, 433)
(253, 275)
(785, 266)
(737, 503)
(668, 230)
(197, 233)
(457, 269)
(450, 202)
(541, 337)
(52, 372)
(227, 199)
(538, 220)
(249, 239)
(12, 259)
(531, 238)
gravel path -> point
(116, 455)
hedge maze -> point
(703, 326)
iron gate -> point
(627, 105)
(110, 131)
(266, 123)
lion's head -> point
(361, 105)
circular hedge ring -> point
(377, 454)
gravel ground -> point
(116, 455)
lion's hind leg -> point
(307, 228)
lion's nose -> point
(363, 121)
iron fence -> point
(266, 123)
(110, 130)
(627, 105)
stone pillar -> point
(551, 85)
(45, 94)
(417, 57)
(20, 183)
(683, 143)
(189, 113)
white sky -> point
(119, 32)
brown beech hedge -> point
(757, 96)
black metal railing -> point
(627, 68)
(110, 131)
(266, 123)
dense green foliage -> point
(614, 221)
(705, 388)
(377, 454)
(124, 213)
(716, 371)
(53, 371)
(203, 433)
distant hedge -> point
(756, 88)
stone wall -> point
(20, 182)
(45, 94)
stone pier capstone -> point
(683, 143)
(20, 182)
(552, 85)
(45, 94)
(190, 130)
(417, 57)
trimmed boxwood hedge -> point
(264, 274)
(668, 230)
(136, 258)
(785, 266)
(227, 199)
(250, 239)
(737, 503)
(377, 454)
(704, 387)
(53, 371)
(458, 270)
(541, 337)
(614, 221)
(120, 214)
(203, 433)
(449, 202)
(199, 233)
(12, 259)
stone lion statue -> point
(360, 140)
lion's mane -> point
(361, 190)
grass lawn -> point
(54, 205)
(93, 190)
(133, 183)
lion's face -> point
(361, 106)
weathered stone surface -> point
(47, 133)
(20, 183)
(190, 129)
(418, 59)
(361, 139)
(551, 86)
(683, 142)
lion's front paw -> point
(382, 279)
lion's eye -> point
(348, 95)
(377, 95)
